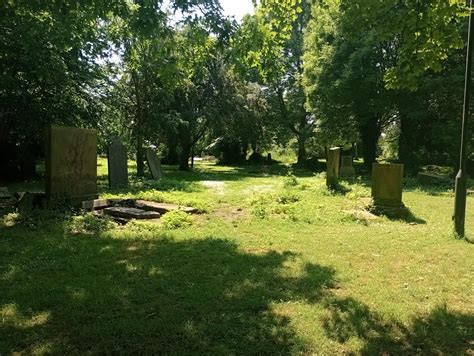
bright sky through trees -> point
(237, 8)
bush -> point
(90, 224)
(287, 198)
(290, 181)
(176, 220)
(261, 206)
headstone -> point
(387, 182)
(332, 162)
(117, 164)
(154, 164)
(71, 163)
(347, 168)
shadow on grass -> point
(397, 214)
(339, 189)
(151, 293)
(441, 332)
(92, 294)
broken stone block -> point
(91, 205)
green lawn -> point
(274, 265)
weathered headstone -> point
(117, 164)
(332, 162)
(347, 168)
(71, 163)
(154, 164)
(387, 182)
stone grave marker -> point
(154, 164)
(332, 162)
(347, 168)
(387, 182)
(131, 213)
(4, 193)
(71, 163)
(117, 164)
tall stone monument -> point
(347, 167)
(71, 163)
(387, 180)
(332, 162)
(154, 164)
(117, 164)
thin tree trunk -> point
(370, 133)
(139, 134)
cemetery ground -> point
(275, 263)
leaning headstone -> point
(332, 162)
(117, 164)
(387, 182)
(154, 164)
(347, 168)
(71, 163)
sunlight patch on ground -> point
(9, 313)
(216, 186)
(267, 188)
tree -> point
(269, 49)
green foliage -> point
(176, 220)
(290, 181)
(89, 223)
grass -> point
(275, 264)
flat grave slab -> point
(163, 208)
(131, 213)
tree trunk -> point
(406, 144)
(139, 119)
(369, 132)
(302, 156)
(140, 163)
(184, 158)
(185, 141)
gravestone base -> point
(392, 212)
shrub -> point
(287, 198)
(290, 181)
(90, 224)
(176, 220)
